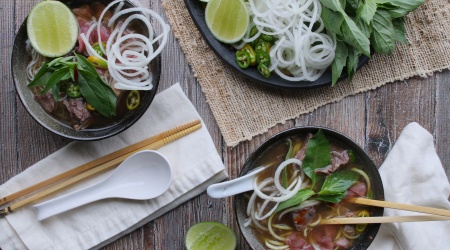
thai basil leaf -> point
(297, 199)
(366, 11)
(399, 29)
(352, 63)
(338, 182)
(383, 36)
(351, 7)
(354, 36)
(57, 76)
(43, 71)
(340, 59)
(97, 93)
(84, 64)
(365, 28)
(335, 198)
(317, 156)
(332, 20)
(332, 5)
(407, 5)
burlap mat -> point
(244, 109)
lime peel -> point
(210, 235)
(227, 19)
(52, 28)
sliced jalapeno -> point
(98, 62)
(267, 38)
(89, 107)
(133, 99)
(73, 90)
(262, 46)
(96, 47)
(263, 70)
(262, 57)
(251, 52)
(253, 31)
(242, 59)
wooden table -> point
(373, 119)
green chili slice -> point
(96, 47)
(267, 38)
(242, 59)
(262, 46)
(73, 90)
(262, 57)
(133, 99)
(251, 52)
(263, 70)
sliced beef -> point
(338, 159)
(325, 235)
(296, 241)
(78, 112)
(302, 217)
(302, 152)
(46, 101)
(358, 189)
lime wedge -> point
(227, 19)
(210, 236)
(52, 28)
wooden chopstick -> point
(387, 204)
(385, 219)
(104, 163)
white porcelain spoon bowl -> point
(142, 176)
(235, 186)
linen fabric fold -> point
(413, 174)
(195, 164)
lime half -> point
(210, 236)
(52, 28)
(227, 19)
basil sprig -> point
(92, 87)
(362, 25)
(331, 189)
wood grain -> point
(373, 119)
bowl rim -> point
(341, 138)
(85, 134)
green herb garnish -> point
(362, 25)
(92, 87)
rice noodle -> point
(129, 54)
(302, 51)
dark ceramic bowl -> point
(345, 142)
(227, 54)
(19, 60)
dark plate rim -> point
(226, 54)
(342, 138)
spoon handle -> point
(235, 186)
(68, 201)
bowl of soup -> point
(69, 108)
(310, 174)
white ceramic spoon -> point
(142, 176)
(235, 186)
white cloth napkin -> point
(413, 174)
(195, 165)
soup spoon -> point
(235, 186)
(142, 176)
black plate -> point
(227, 53)
(240, 201)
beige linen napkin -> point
(195, 165)
(413, 174)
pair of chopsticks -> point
(434, 214)
(94, 167)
